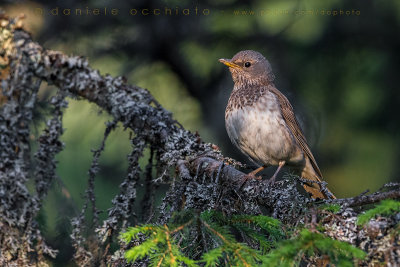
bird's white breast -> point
(260, 131)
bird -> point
(261, 122)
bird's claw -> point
(271, 181)
(249, 177)
(252, 176)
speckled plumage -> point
(260, 120)
(263, 136)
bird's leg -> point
(253, 173)
(272, 179)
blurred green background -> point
(339, 71)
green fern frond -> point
(213, 257)
(132, 232)
(334, 208)
(214, 216)
(162, 249)
(314, 244)
(139, 252)
(187, 261)
(236, 254)
(385, 208)
(159, 246)
(271, 226)
(265, 222)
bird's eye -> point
(247, 64)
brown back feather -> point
(292, 123)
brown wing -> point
(291, 121)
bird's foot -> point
(253, 176)
(249, 176)
(253, 173)
(271, 181)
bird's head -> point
(249, 67)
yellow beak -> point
(229, 63)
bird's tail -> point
(315, 189)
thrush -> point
(261, 122)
